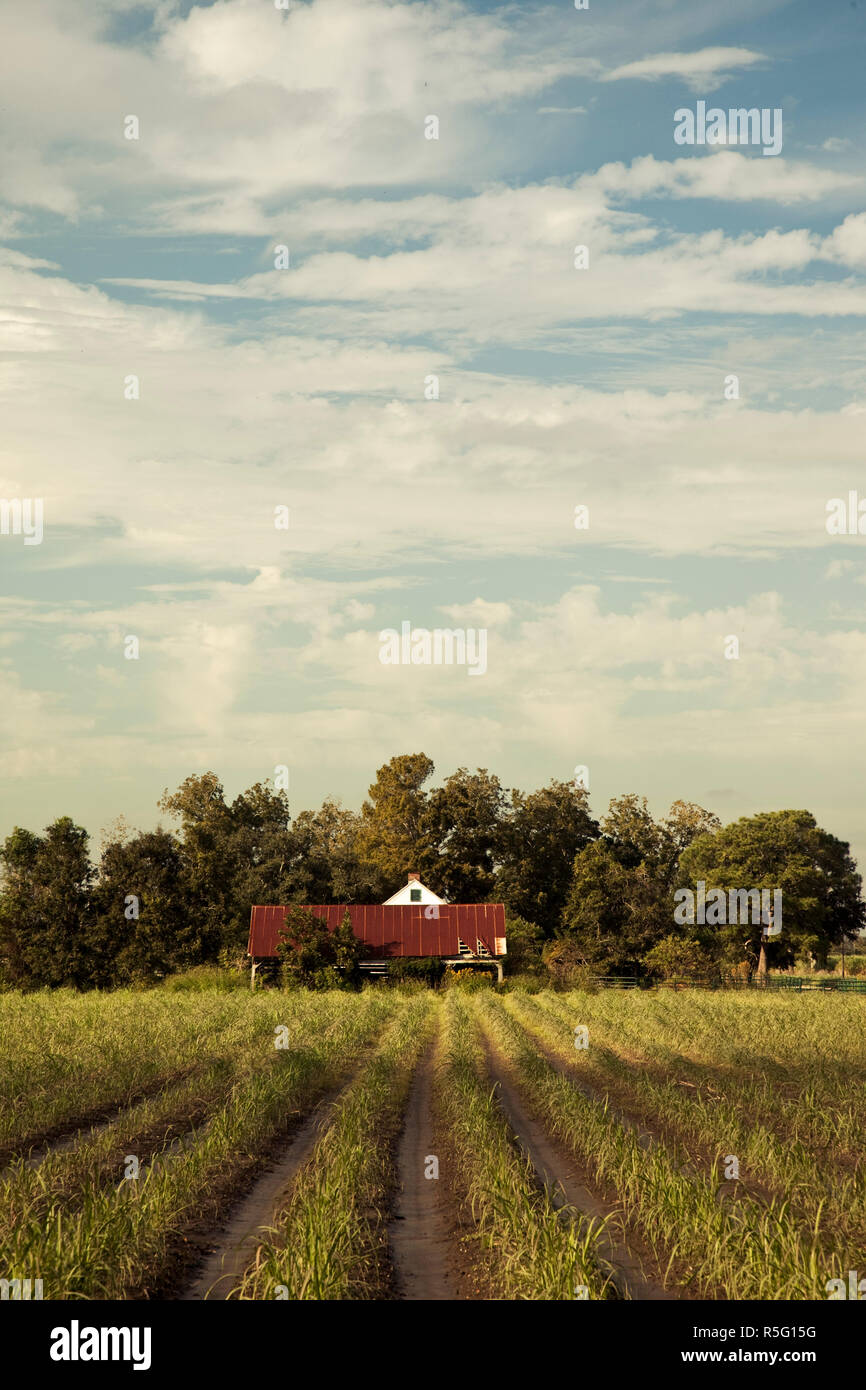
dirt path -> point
(560, 1173)
(419, 1234)
(64, 1136)
(233, 1247)
(69, 1141)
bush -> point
(568, 967)
(679, 958)
(424, 969)
(469, 979)
(311, 955)
(329, 977)
(579, 977)
(204, 977)
(525, 944)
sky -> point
(431, 386)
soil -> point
(231, 1248)
(635, 1271)
(34, 1146)
(652, 1131)
(420, 1233)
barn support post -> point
(499, 973)
(254, 965)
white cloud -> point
(725, 174)
(470, 265)
(240, 104)
(847, 242)
(305, 389)
(704, 70)
(835, 143)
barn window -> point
(414, 895)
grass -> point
(747, 1250)
(67, 1056)
(805, 1146)
(530, 1250)
(329, 1242)
(113, 1241)
(190, 1082)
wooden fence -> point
(786, 982)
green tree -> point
(686, 821)
(45, 908)
(397, 833)
(620, 898)
(542, 833)
(636, 838)
(312, 956)
(632, 835)
(678, 957)
(466, 818)
(787, 850)
(525, 944)
(325, 864)
(234, 856)
(615, 912)
(205, 834)
(155, 933)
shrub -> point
(424, 969)
(525, 983)
(525, 944)
(469, 979)
(679, 958)
(311, 955)
(567, 965)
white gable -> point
(404, 895)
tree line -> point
(581, 894)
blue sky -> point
(557, 387)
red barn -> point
(420, 925)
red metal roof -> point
(403, 929)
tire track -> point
(232, 1247)
(610, 1091)
(419, 1233)
(59, 1138)
(559, 1173)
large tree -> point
(620, 898)
(45, 907)
(636, 838)
(615, 912)
(542, 833)
(466, 816)
(397, 833)
(144, 925)
(234, 855)
(325, 864)
(787, 850)
(311, 955)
